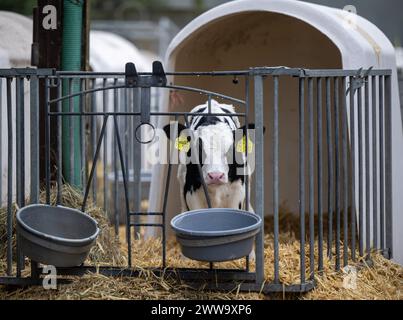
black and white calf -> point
(214, 139)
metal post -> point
(105, 148)
(115, 165)
(164, 207)
(137, 184)
(59, 143)
(1, 142)
(122, 165)
(352, 142)
(93, 136)
(47, 141)
(259, 180)
(374, 166)
(360, 176)
(311, 181)
(320, 172)
(330, 191)
(344, 121)
(9, 181)
(82, 136)
(20, 139)
(247, 191)
(276, 181)
(367, 182)
(302, 177)
(381, 164)
(336, 94)
(388, 167)
(71, 120)
(34, 111)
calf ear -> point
(171, 128)
(251, 126)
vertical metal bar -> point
(320, 172)
(381, 164)
(94, 136)
(247, 191)
(344, 120)
(82, 134)
(34, 112)
(360, 176)
(47, 142)
(367, 182)
(164, 214)
(336, 93)
(1, 143)
(59, 144)
(164, 207)
(105, 145)
(122, 165)
(388, 167)
(137, 184)
(34, 148)
(115, 165)
(72, 121)
(330, 192)
(20, 141)
(311, 181)
(126, 149)
(259, 181)
(302, 177)
(94, 162)
(9, 181)
(20, 161)
(374, 166)
(275, 180)
(352, 142)
(128, 102)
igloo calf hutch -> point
(303, 98)
(322, 81)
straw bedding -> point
(382, 280)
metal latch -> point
(131, 76)
(359, 80)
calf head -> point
(211, 142)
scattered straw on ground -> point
(382, 280)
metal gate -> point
(358, 154)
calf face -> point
(214, 146)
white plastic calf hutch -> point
(243, 34)
(15, 52)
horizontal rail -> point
(138, 114)
(146, 213)
(183, 88)
(224, 279)
(52, 73)
(158, 225)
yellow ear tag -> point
(182, 143)
(241, 145)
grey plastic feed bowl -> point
(55, 235)
(217, 234)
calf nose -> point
(215, 177)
